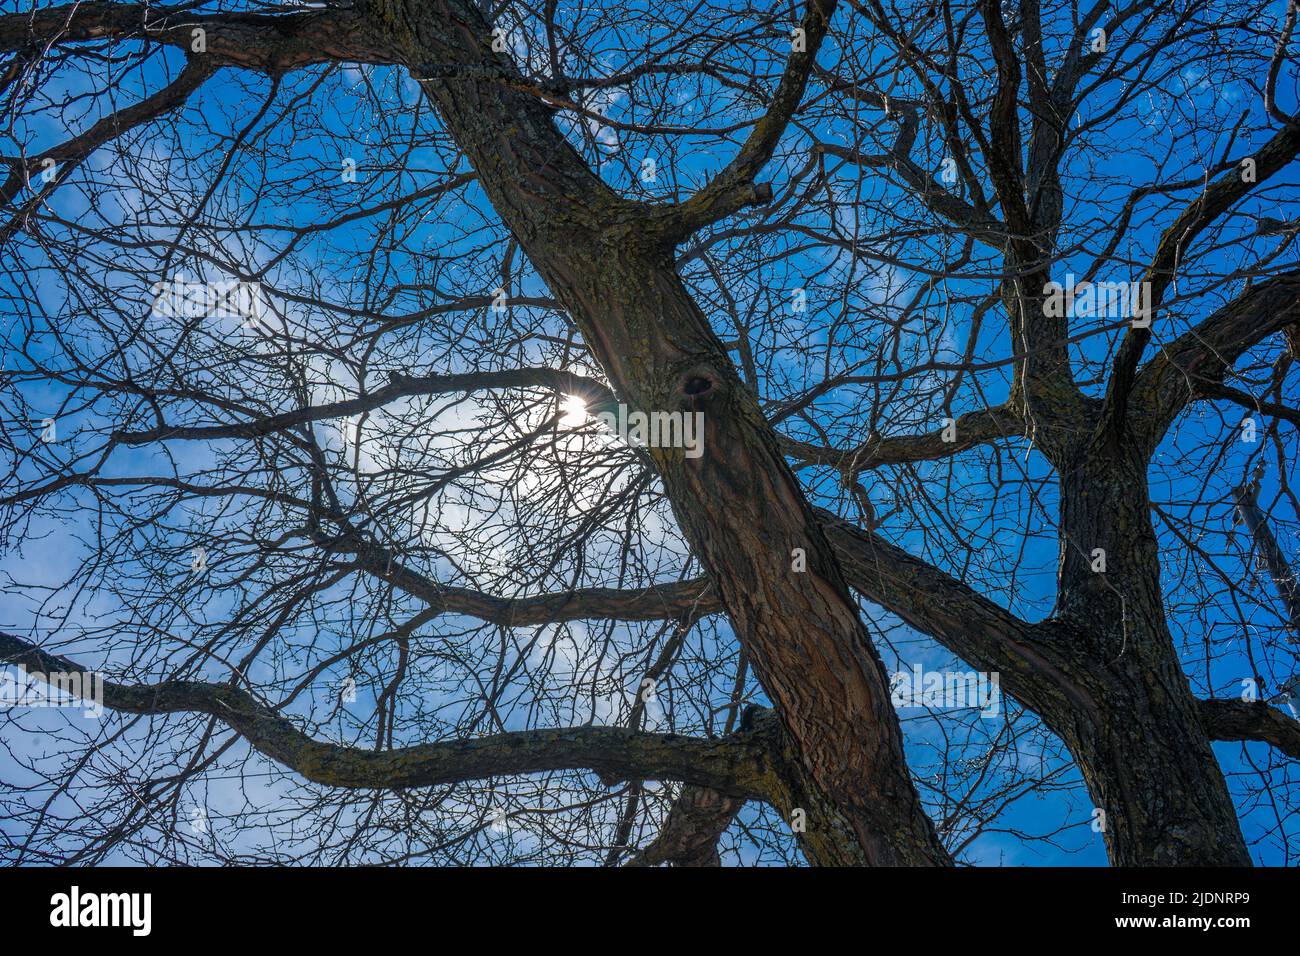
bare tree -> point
(985, 308)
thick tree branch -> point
(67, 156)
(1250, 720)
(1044, 383)
(1004, 123)
(968, 430)
(959, 618)
(268, 43)
(735, 765)
(690, 833)
(734, 188)
(1202, 356)
(654, 603)
(1217, 198)
(1250, 402)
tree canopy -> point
(316, 319)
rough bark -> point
(689, 836)
(1143, 749)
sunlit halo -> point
(574, 409)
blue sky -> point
(369, 115)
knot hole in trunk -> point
(698, 386)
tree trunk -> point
(742, 511)
(1143, 751)
(738, 504)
